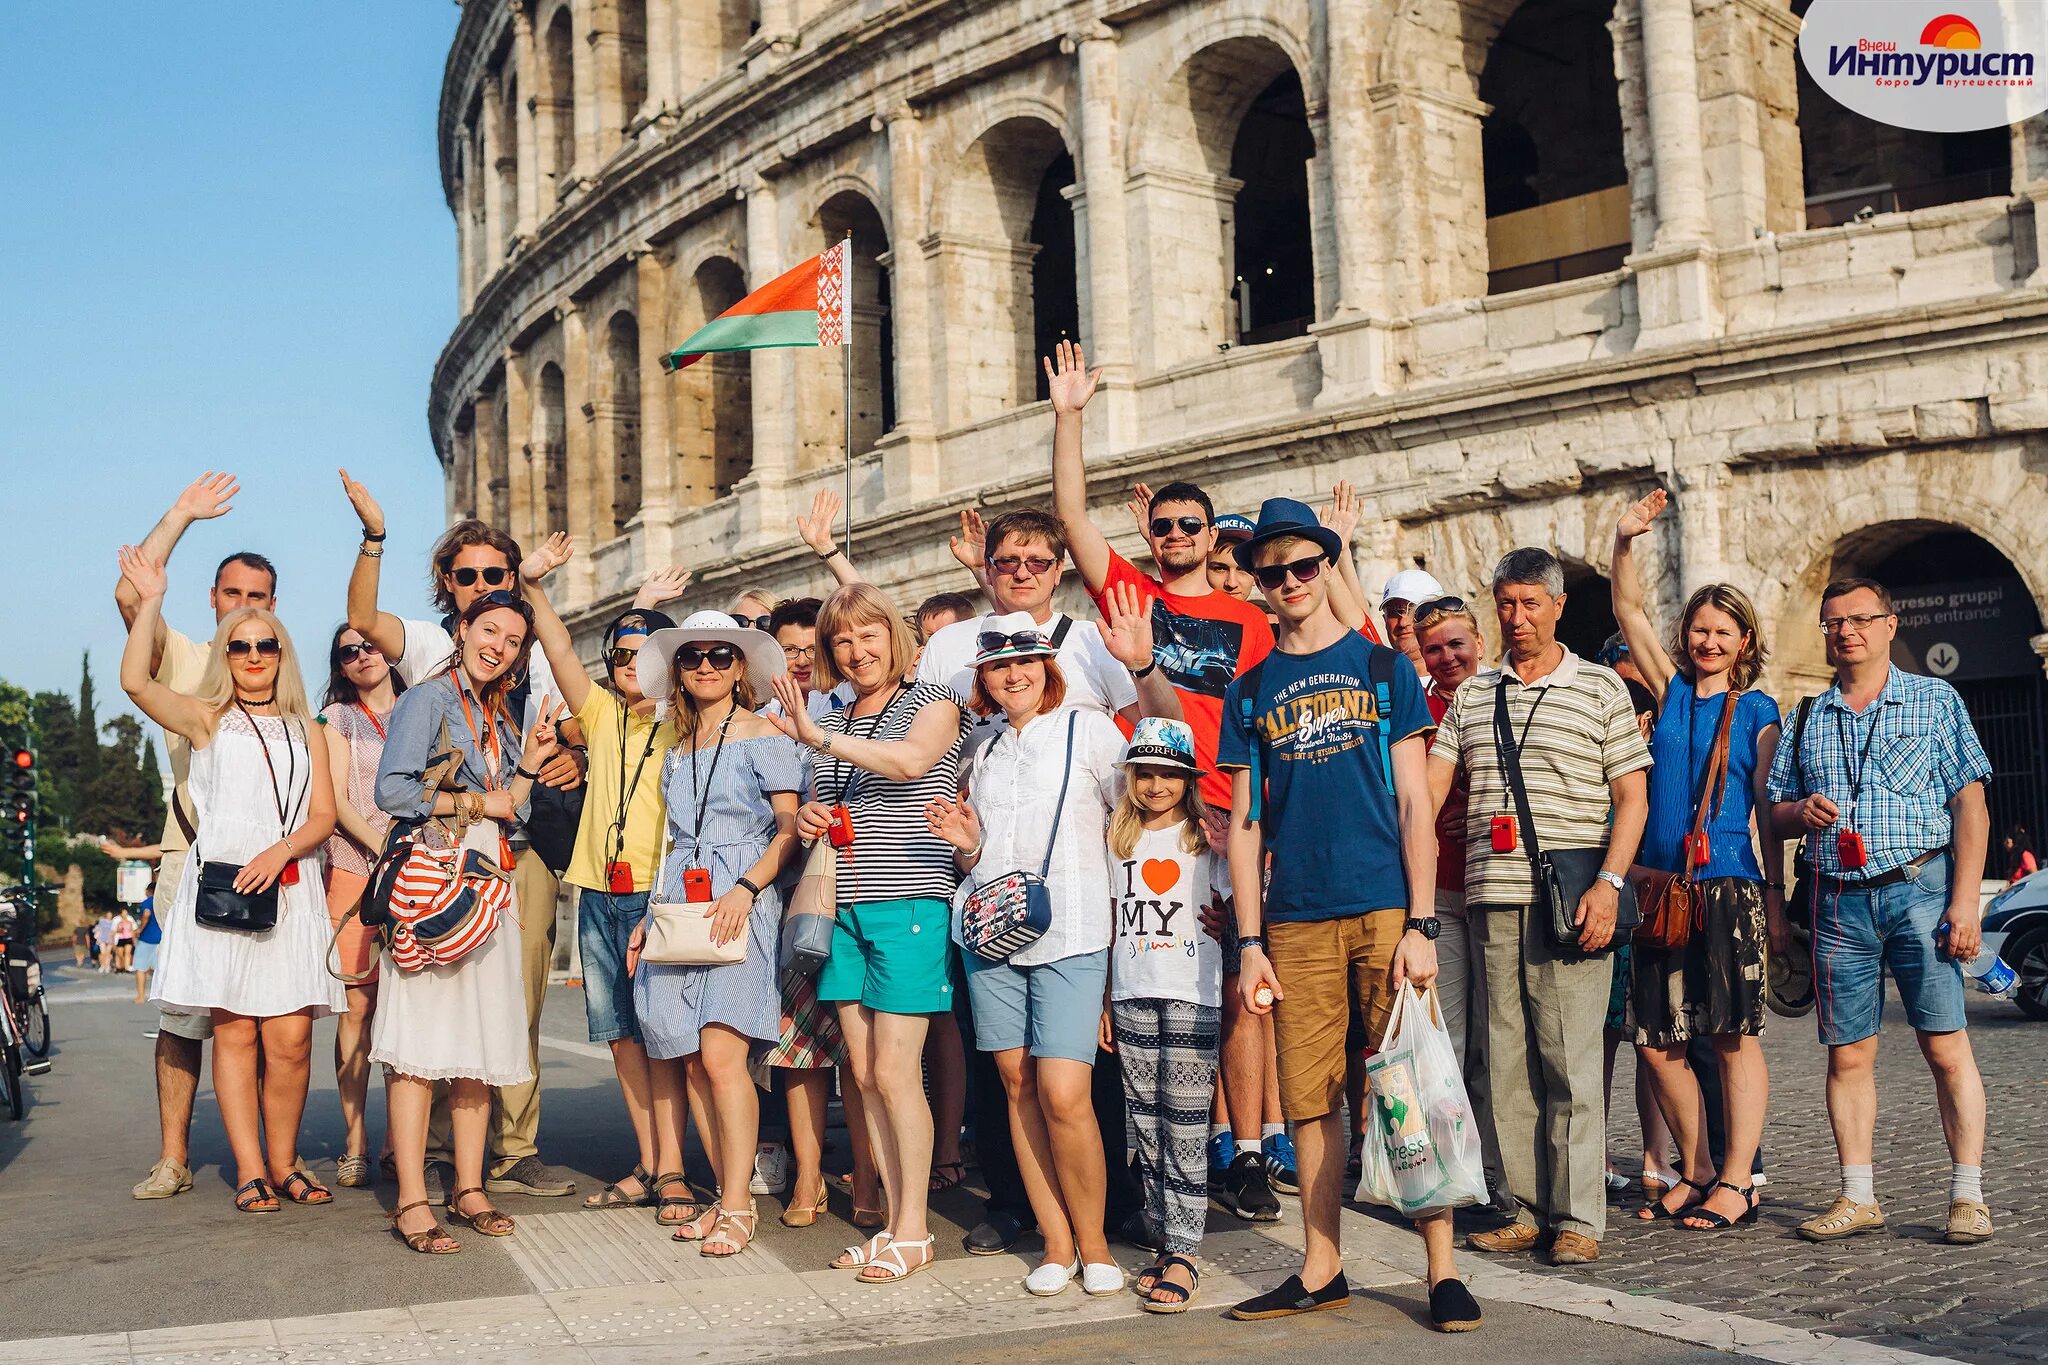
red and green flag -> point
(805, 306)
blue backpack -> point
(1379, 669)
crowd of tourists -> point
(1165, 875)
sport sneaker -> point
(1246, 1191)
(771, 1169)
(532, 1176)
(1222, 1151)
(1279, 1152)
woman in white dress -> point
(462, 1022)
(264, 803)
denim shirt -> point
(412, 736)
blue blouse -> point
(412, 736)
(1681, 745)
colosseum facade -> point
(1501, 263)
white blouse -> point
(1015, 782)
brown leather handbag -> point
(1673, 908)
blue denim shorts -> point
(1857, 935)
(604, 923)
(1054, 1009)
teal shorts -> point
(890, 956)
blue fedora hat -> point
(1287, 517)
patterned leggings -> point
(1168, 1048)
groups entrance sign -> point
(1975, 628)
(1945, 66)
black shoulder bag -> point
(1563, 875)
(1799, 904)
(219, 905)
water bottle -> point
(1990, 973)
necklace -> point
(257, 701)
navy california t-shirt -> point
(1330, 822)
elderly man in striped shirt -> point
(1582, 764)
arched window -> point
(551, 449)
(871, 331)
(462, 499)
(1856, 166)
(1557, 200)
(632, 59)
(555, 110)
(498, 436)
(1055, 296)
(1274, 279)
(507, 157)
(622, 418)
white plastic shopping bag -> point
(1421, 1145)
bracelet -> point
(824, 744)
(530, 777)
(1147, 671)
(287, 842)
(377, 539)
(1774, 886)
(971, 854)
(754, 890)
(370, 551)
(827, 554)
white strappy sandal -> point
(891, 1265)
(855, 1257)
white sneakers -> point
(1097, 1280)
(771, 1169)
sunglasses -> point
(722, 657)
(267, 647)
(1304, 571)
(1163, 526)
(348, 654)
(993, 640)
(619, 656)
(501, 598)
(467, 576)
(755, 622)
(1009, 564)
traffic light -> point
(19, 805)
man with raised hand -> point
(243, 579)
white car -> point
(2016, 928)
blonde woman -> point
(264, 803)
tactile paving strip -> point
(590, 1250)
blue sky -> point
(222, 245)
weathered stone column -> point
(774, 384)
(1677, 295)
(657, 447)
(1347, 153)
(525, 62)
(1749, 119)
(523, 474)
(910, 469)
(2030, 183)
(465, 243)
(661, 56)
(589, 476)
(1105, 250)
(492, 145)
(607, 65)
(1702, 508)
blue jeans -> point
(1857, 933)
(604, 923)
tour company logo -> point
(1914, 65)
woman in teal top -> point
(1712, 987)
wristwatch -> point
(1428, 926)
(1613, 879)
(1245, 941)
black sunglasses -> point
(756, 622)
(1304, 571)
(348, 654)
(1189, 526)
(1439, 605)
(501, 598)
(467, 576)
(267, 647)
(722, 657)
(619, 656)
(993, 640)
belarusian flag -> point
(804, 307)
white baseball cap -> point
(1411, 585)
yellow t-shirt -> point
(602, 717)
(182, 666)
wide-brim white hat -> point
(765, 661)
(1020, 638)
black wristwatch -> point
(1245, 941)
(742, 881)
(1428, 927)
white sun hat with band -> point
(1014, 636)
(763, 656)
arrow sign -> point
(1943, 659)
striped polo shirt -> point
(1581, 737)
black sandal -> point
(939, 1184)
(612, 1197)
(251, 1197)
(312, 1193)
(1720, 1222)
(687, 1205)
(1657, 1208)
(1162, 1284)
(486, 1220)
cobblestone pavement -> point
(1903, 1287)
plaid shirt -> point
(1891, 771)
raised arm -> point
(1347, 594)
(1630, 611)
(380, 628)
(176, 712)
(570, 675)
(206, 497)
(815, 531)
(931, 736)
(970, 549)
(1127, 633)
(663, 585)
(1071, 384)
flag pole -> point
(846, 356)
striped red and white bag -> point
(445, 904)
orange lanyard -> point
(487, 742)
(371, 716)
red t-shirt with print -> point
(1200, 643)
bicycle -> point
(14, 1001)
(25, 974)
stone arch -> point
(1852, 165)
(1002, 208)
(1158, 123)
(551, 449)
(620, 418)
(1239, 113)
(1556, 169)
(555, 101)
(462, 481)
(713, 426)
(851, 209)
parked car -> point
(2016, 928)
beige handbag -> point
(679, 932)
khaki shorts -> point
(1323, 965)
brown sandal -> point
(486, 1220)
(425, 1241)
